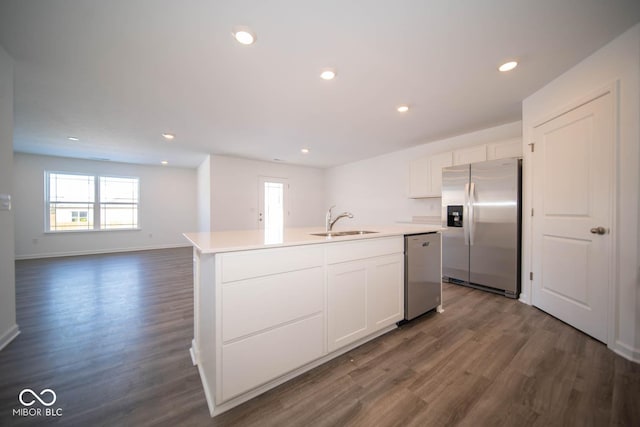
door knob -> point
(598, 230)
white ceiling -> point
(118, 73)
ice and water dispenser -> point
(454, 216)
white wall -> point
(167, 208)
(376, 190)
(234, 193)
(204, 195)
(8, 327)
(619, 61)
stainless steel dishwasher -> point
(423, 275)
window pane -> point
(71, 188)
(118, 203)
(118, 190)
(70, 216)
(118, 216)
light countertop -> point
(242, 240)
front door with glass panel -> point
(272, 207)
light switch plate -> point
(5, 202)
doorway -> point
(273, 212)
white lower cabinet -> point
(364, 295)
(347, 303)
(386, 291)
(270, 324)
(264, 316)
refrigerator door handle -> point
(472, 220)
(465, 215)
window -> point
(76, 202)
(118, 203)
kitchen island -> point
(270, 307)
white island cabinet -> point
(365, 281)
(264, 313)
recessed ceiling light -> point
(508, 66)
(73, 138)
(328, 74)
(304, 150)
(168, 136)
(243, 35)
(164, 162)
(403, 108)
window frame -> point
(96, 204)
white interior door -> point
(572, 185)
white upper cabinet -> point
(419, 177)
(470, 155)
(426, 175)
(504, 149)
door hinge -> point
(532, 145)
(531, 211)
(531, 275)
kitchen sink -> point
(343, 233)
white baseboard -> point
(626, 351)
(100, 251)
(193, 353)
(9, 336)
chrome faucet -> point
(328, 222)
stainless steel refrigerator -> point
(481, 210)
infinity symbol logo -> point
(36, 397)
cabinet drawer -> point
(361, 249)
(256, 360)
(245, 265)
(252, 305)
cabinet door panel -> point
(347, 303)
(258, 359)
(470, 155)
(419, 177)
(436, 164)
(386, 291)
(504, 149)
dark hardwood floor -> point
(110, 335)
